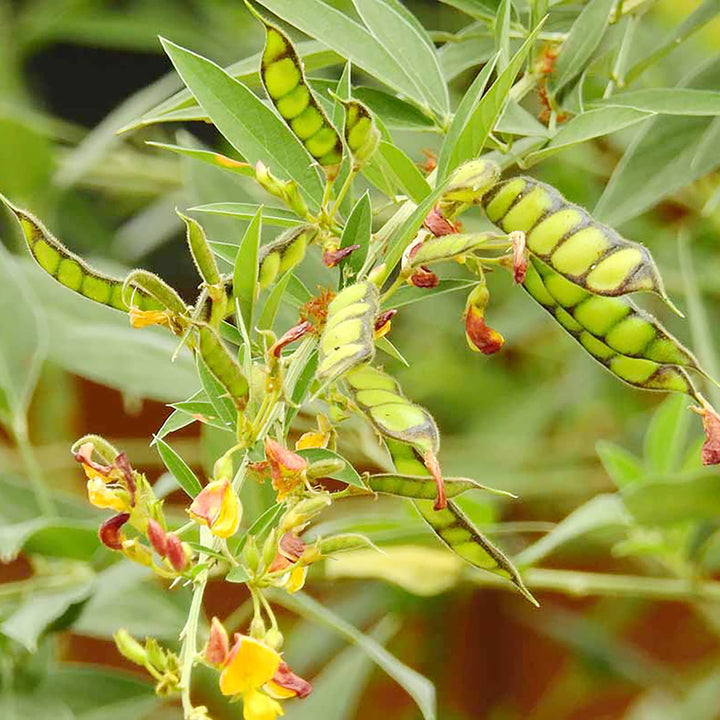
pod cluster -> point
(284, 80)
(570, 241)
(348, 337)
(632, 344)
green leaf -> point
(348, 474)
(668, 101)
(49, 537)
(599, 513)
(418, 687)
(351, 40)
(465, 51)
(251, 127)
(410, 46)
(516, 120)
(357, 231)
(585, 35)
(237, 575)
(408, 295)
(278, 217)
(178, 468)
(23, 344)
(272, 303)
(384, 345)
(245, 276)
(395, 113)
(214, 159)
(666, 435)
(620, 464)
(502, 34)
(217, 395)
(587, 126)
(404, 171)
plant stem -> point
(189, 638)
(34, 472)
(343, 192)
(581, 584)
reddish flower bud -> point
(293, 334)
(218, 644)
(110, 532)
(156, 536)
(438, 224)
(711, 426)
(331, 258)
(423, 277)
(176, 553)
(287, 679)
(519, 256)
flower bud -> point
(130, 648)
(217, 506)
(223, 468)
(155, 654)
(286, 190)
(274, 639)
(218, 644)
(250, 554)
(177, 553)
(110, 532)
(270, 548)
(257, 628)
(135, 551)
(325, 468)
(304, 511)
(157, 538)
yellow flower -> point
(296, 581)
(258, 706)
(101, 496)
(145, 318)
(218, 507)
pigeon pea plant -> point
(311, 148)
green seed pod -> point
(362, 134)
(468, 184)
(570, 241)
(343, 543)
(130, 648)
(454, 529)
(422, 487)
(379, 396)
(200, 250)
(72, 271)
(291, 246)
(287, 190)
(150, 284)
(632, 344)
(269, 270)
(223, 366)
(284, 80)
(348, 337)
(446, 247)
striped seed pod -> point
(588, 253)
(72, 271)
(284, 80)
(201, 252)
(362, 134)
(283, 253)
(455, 529)
(632, 344)
(348, 337)
(223, 366)
(468, 185)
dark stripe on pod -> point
(566, 236)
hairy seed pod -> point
(632, 344)
(290, 246)
(72, 271)
(348, 337)
(446, 247)
(223, 366)
(269, 270)
(468, 185)
(570, 241)
(454, 529)
(421, 487)
(284, 80)
(361, 131)
(201, 252)
(154, 286)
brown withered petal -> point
(711, 426)
(384, 318)
(176, 552)
(438, 224)
(293, 334)
(156, 536)
(482, 337)
(122, 462)
(432, 464)
(286, 678)
(332, 257)
(424, 278)
(110, 532)
(291, 546)
(218, 644)
(84, 456)
(279, 563)
(519, 256)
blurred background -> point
(540, 419)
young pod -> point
(348, 337)
(201, 252)
(362, 134)
(468, 185)
(632, 344)
(154, 286)
(284, 81)
(443, 248)
(72, 271)
(223, 366)
(287, 190)
(290, 247)
(570, 241)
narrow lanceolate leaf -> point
(245, 277)
(589, 125)
(223, 366)
(405, 172)
(252, 128)
(422, 487)
(588, 253)
(410, 46)
(585, 35)
(502, 34)
(72, 271)
(220, 403)
(339, 32)
(481, 121)
(357, 231)
(284, 81)
(627, 341)
(348, 336)
(209, 157)
(668, 101)
(379, 396)
(278, 217)
(178, 468)
(456, 531)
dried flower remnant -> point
(110, 532)
(331, 258)
(711, 427)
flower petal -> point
(248, 667)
